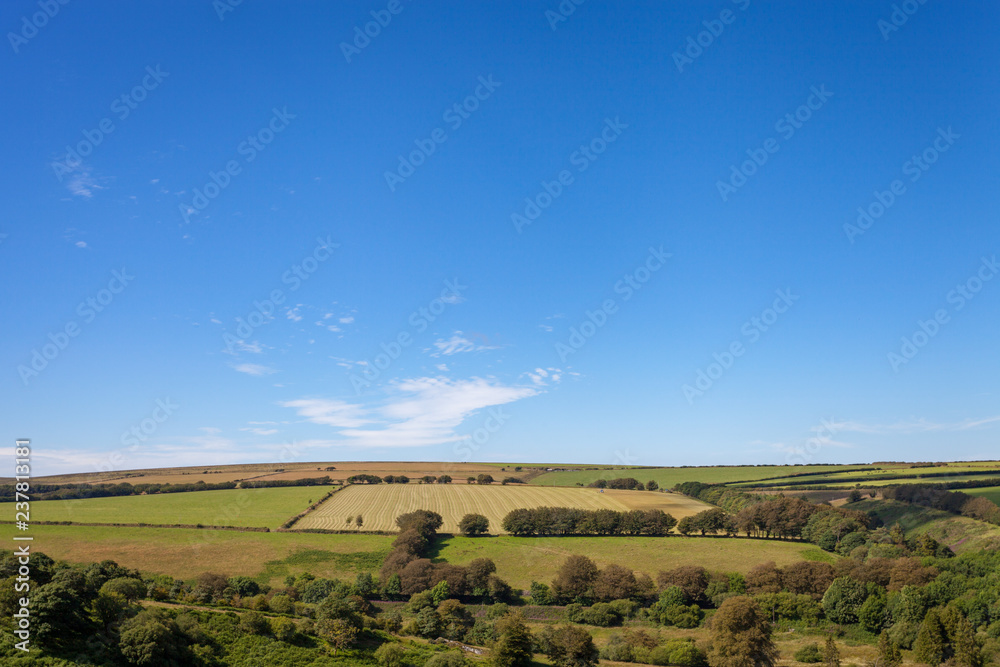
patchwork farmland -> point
(380, 504)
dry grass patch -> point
(185, 553)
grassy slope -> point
(667, 477)
(960, 533)
(523, 559)
(380, 504)
(186, 552)
(232, 507)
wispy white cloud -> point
(418, 412)
(459, 343)
(330, 412)
(254, 369)
(260, 431)
(543, 377)
(911, 426)
(801, 449)
(978, 422)
(253, 346)
(347, 363)
(82, 182)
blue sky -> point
(622, 234)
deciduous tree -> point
(741, 636)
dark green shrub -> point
(809, 653)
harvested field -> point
(380, 504)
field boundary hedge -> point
(291, 522)
(198, 526)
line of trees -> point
(396, 479)
(480, 479)
(365, 478)
(627, 483)
(574, 521)
(273, 483)
(431, 479)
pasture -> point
(521, 560)
(265, 508)
(991, 493)
(184, 553)
(380, 504)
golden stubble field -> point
(380, 504)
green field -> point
(523, 559)
(266, 508)
(184, 553)
(668, 477)
(991, 493)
